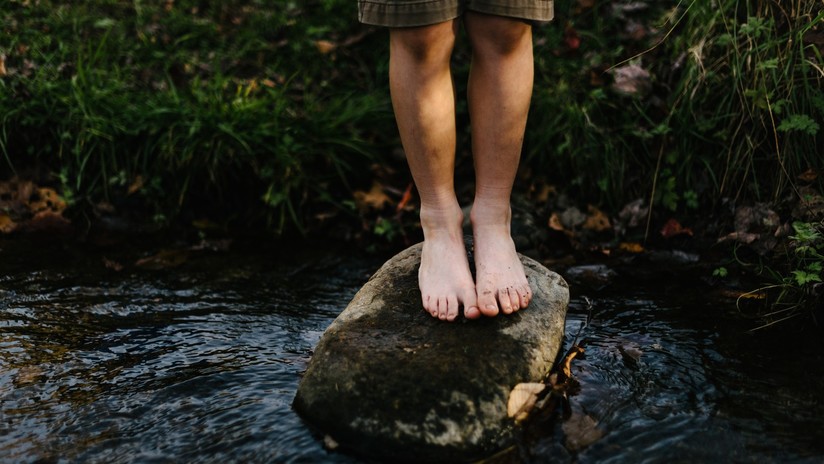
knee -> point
(423, 44)
(496, 37)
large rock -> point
(389, 381)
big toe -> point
(470, 304)
(487, 304)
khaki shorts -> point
(407, 13)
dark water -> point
(199, 363)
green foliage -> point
(800, 123)
(732, 111)
(224, 109)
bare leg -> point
(424, 101)
(500, 88)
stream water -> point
(200, 363)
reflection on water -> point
(201, 362)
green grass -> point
(215, 109)
(242, 112)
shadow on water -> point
(201, 363)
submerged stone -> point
(389, 381)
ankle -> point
(439, 220)
(486, 214)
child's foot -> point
(500, 281)
(444, 277)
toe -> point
(451, 308)
(442, 308)
(430, 306)
(525, 296)
(515, 299)
(487, 304)
(505, 300)
(470, 304)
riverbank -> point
(654, 125)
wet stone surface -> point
(389, 381)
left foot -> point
(500, 280)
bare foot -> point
(444, 277)
(500, 281)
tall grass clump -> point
(749, 101)
(712, 100)
(241, 110)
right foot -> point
(444, 278)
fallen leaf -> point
(542, 195)
(597, 221)
(522, 399)
(758, 218)
(580, 431)
(374, 199)
(741, 237)
(325, 46)
(555, 223)
(407, 195)
(673, 228)
(631, 247)
(7, 225)
(46, 199)
(631, 80)
(2, 65)
(566, 364)
(135, 186)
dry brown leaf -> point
(631, 247)
(7, 225)
(741, 237)
(522, 399)
(135, 186)
(580, 431)
(566, 364)
(2, 65)
(555, 223)
(47, 199)
(597, 221)
(374, 199)
(325, 46)
(407, 195)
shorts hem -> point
(392, 13)
(407, 14)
